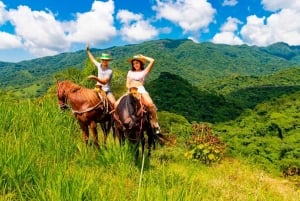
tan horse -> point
(88, 106)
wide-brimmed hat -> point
(138, 58)
(105, 56)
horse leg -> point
(105, 131)
(150, 139)
(119, 133)
(85, 132)
(103, 128)
(106, 125)
(93, 127)
(115, 132)
(137, 151)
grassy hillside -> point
(43, 157)
(249, 94)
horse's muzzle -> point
(63, 107)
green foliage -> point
(72, 74)
(174, 94)
(204, 146)
(248, 91)
(283, 50)
(44, 158)
(199, 63)
(250, 94)
(173, 123)
(268, 135)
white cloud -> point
(190, 15)
(95, 26)
(278, 27)
(255, 32)
(228, 38)
(41, 33)
(126, 17)
(274, 5)
(134, 27)
(227, 34)
(231, 25)
(9, 41)
(230, 2)
(193, 39)
(2, 13)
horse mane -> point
(127, 103)
(81, 92)
(71, 85)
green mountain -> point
(248, 91)
(198, 63)
(268, 134)
(174, 94)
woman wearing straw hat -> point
(135, 79)
(104, 74)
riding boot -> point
(153, 120)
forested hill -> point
(222, 100)
(198, 63)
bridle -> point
(139, 124)
(62, 99)
(63, 102)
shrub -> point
(204, 146)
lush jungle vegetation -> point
(249, 96)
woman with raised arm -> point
(135, 79)
(104, 74)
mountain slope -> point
(269, 133)
(198, 63)
(175, 94)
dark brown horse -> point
(132, 121)
(88, 106)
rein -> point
(105, 105)
(141, 119)
(138, 132)
(88, 109)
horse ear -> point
(58, 81)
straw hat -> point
(138, 58)
(105, 56)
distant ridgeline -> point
(196, 62)
(223, 69)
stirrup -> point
(157, 130)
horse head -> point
(61, 95)
(129, 111)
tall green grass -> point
(43, 157)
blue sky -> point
(36, 28)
